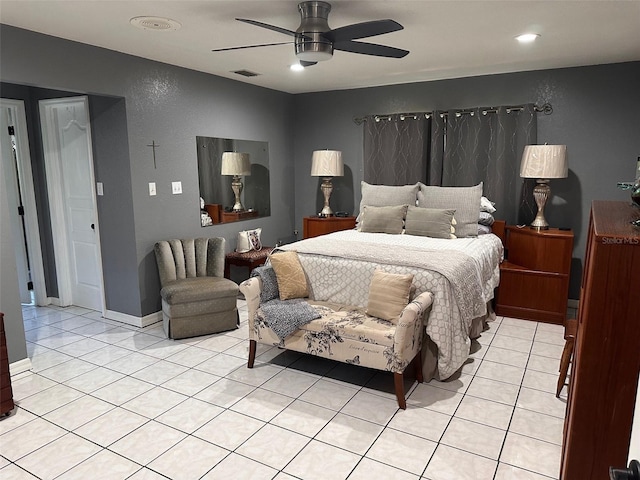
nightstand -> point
(316, 226)
(534, 278)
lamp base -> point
(326, 188)
(541, 193)
(236, 186)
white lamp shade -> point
(234, 163)
(544, 161)
(327, 163)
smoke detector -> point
(155, 23)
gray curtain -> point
(485, 145)
(396, 150)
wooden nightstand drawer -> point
(316, 226)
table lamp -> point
(326, 164)
(543, 162)
(236, 164)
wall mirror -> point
(216, 175)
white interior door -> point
(8, 151)
(70, 181)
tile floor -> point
(108, 401)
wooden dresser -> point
(604, 374)
(534, 279)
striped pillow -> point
(388, 295)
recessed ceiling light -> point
(155, 23)
(296, 67)
(527, 37)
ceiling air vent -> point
(246, 73)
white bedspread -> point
(461, 274)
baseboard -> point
(133, 320)
(21, 366)
(53, 301)
(572, 303)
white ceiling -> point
(447, 39)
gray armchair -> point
(196, 298)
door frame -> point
(25, 177)
(53, 167)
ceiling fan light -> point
(296, 67)
(313, 56)
(527, 37)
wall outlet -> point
(152, 189)
(99, 189)
(176, 188)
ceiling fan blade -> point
(306, 64)
(370, 49)
(268, 27)
(362, 30)
(250, 46)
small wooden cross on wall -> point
(153, 145)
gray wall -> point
(168, 105)
(595, 113)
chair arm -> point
(251, 289)
(407, 340)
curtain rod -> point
(546, 108)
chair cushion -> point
(198, 288)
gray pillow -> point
(386, 196)
(429, 222)
(465, 201)
(383, 219)
(486, 219)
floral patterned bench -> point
(347, 334)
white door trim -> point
(28, 199)
(53, 166)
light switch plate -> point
(176, 187)
(152, 189)
(99, 188)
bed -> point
(462, 273)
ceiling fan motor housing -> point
(310, 45)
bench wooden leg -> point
(417, 365)
(398, 380)
(252, 353)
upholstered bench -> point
(348, 334)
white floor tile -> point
(553, 337)
(123, 390)
(487, 412)
(17, 418)
(221, 365)
(450, 463)
(191, 382)
(368, 469)
(537, 425)
(190, 357)
(189, 459)
(531, 454)
(104, 465)
(403, 451)
(311, 463)
(290, 383)
(111, 426)
(547, 350)
(304, 418)
(238, 467)
(524, 333)
(508, 472)
(30, 385)
(547, 382)
(543, 364)
(147, 442)
(329, 394)
(106, 355)
(190, 415)
(474, 438)
(50, 399)
(94, 379)
(438, 399)
(131, 363)
(422, 422)
(350, 433)
(154, 402)
(29, 437)
(512, 343)
(493, 390)
(146, 474)
(372, 408)
(14, 472)
(78, 412)
(262, 404)
(273, 446)
(541, 402)
(219, 343)
(508, 357)
(256, 376)
(159, 372)
(58, 456)
(500, 372)
(229, 429)
(224, 392)
(67, 370)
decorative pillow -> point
(387, 196)
(486, 219)
(430, 222)
(382, 219)
(292, 282)
(388, 295)
(465, 201)
(487, 205)
(483, 230)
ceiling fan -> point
(314, 41)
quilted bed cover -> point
(461, 273)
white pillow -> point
(487, 205)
